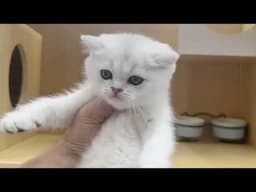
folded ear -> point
(91, 43)
(165, 57)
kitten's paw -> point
(18, 122)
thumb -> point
(96, 111)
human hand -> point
(85, 126)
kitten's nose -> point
(116, 91)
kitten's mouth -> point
(118, 103)
(115, 100)
(115, 97)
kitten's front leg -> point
(46, 112)
(158, 146)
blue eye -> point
(105, 74)
(135, 80)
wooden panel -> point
(252, 104)
(30, 45)
(29, 42)
(212, 84)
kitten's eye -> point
(135, 80)
(105, 74)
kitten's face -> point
(125, 73)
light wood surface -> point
(187, 155)
(29, 148)
(214, 155)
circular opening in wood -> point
(15, 76)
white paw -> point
(15, 122)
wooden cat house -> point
(20, 60)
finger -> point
(97, 110)
(102, 108)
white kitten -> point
(132, 73)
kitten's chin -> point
(117, 104)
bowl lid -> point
(189, 121)
(229, 122)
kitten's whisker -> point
(133, 109)
(135, 120)
(141, 112)
(128, 95)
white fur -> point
(140, 132)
